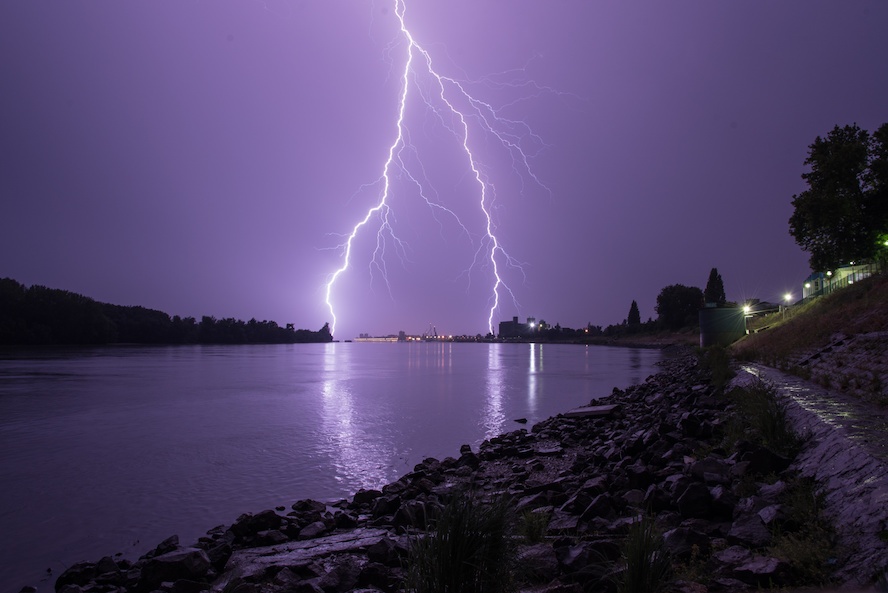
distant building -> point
(516, 329)
(820, 283)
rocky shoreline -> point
(653, 449)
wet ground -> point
(846, 452)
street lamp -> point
(788, 298)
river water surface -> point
(111, 450)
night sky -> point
(208, 157)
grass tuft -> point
(807, 540)
(761, 419)
(467, 550)
(718, 361)
(648, 564)
(533, 525)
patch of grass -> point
(695, 569)
(761, 418)
(806, 540)
(648, 564)
(467, 550)
(718, 361)
(882, 582)
(533, 525)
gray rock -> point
(248, 525)
(342, 577)
(106, 565)
(366, 496)
(682, 541)
(185, 563)
(313, 530)
(78, 574)
(601, 506)
(386, 551)
(308, 505)
(538, 562)
(749, 530)
(763, 571)
(695, 501)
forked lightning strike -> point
(508, 133)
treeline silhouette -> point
(46, 316)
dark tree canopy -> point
(41, 316)
(843, 214)
(715, 289)
(634, 316)
(678, 305)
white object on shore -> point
(591, 411)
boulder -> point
(78, 574)
(695, 501)
(248, 525)
(682, 541)
(749, 530)
(185, 563)
(763, 571)
(342, 577)
(538, 562)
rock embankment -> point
(657, 451)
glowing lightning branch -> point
(508, 133)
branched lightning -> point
(454, 106)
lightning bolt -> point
(455, 107)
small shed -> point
(721, 325)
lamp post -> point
(788, 299)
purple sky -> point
(207, 157)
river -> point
(107, 450)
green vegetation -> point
(843, 215)
(647, 562)
(717, 360)
(678, 306)
(533, 525)
(715, 289)
(634, 317)
(806, 541)
(760, 419)
(46, 316)
(467, 550)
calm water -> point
(113, 449)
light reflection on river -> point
(111, 450)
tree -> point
(877, 184)
(679, 305)
(844, 211)
(634, 316)
(715, 289)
